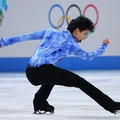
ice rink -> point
(16, 95)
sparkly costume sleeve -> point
(90, 55)
(32, 36)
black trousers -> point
(49, 75)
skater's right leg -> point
(67, 78)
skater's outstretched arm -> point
(31, 36)
(91, 55)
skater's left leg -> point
(44, 92)
(40, 99)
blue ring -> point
(56, 5)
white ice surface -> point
(16, 95)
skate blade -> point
(42, 112)
(117, 112)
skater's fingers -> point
(106, 41)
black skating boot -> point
(41, 107)
(117, 107)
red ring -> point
(91, 5)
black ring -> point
(73, 5)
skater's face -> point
(80, 35)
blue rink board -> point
(19, 64)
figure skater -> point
(55, 45)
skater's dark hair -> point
(82, 23)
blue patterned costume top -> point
(54, 45)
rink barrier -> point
(19, 64)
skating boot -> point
(42, 107)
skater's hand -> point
(106, 41)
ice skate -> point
(42, 107)
(117, 106)
(50, 109)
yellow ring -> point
(58, 24)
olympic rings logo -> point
(67, 17)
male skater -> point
(54, 46)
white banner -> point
(26, 16)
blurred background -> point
(26, 16)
